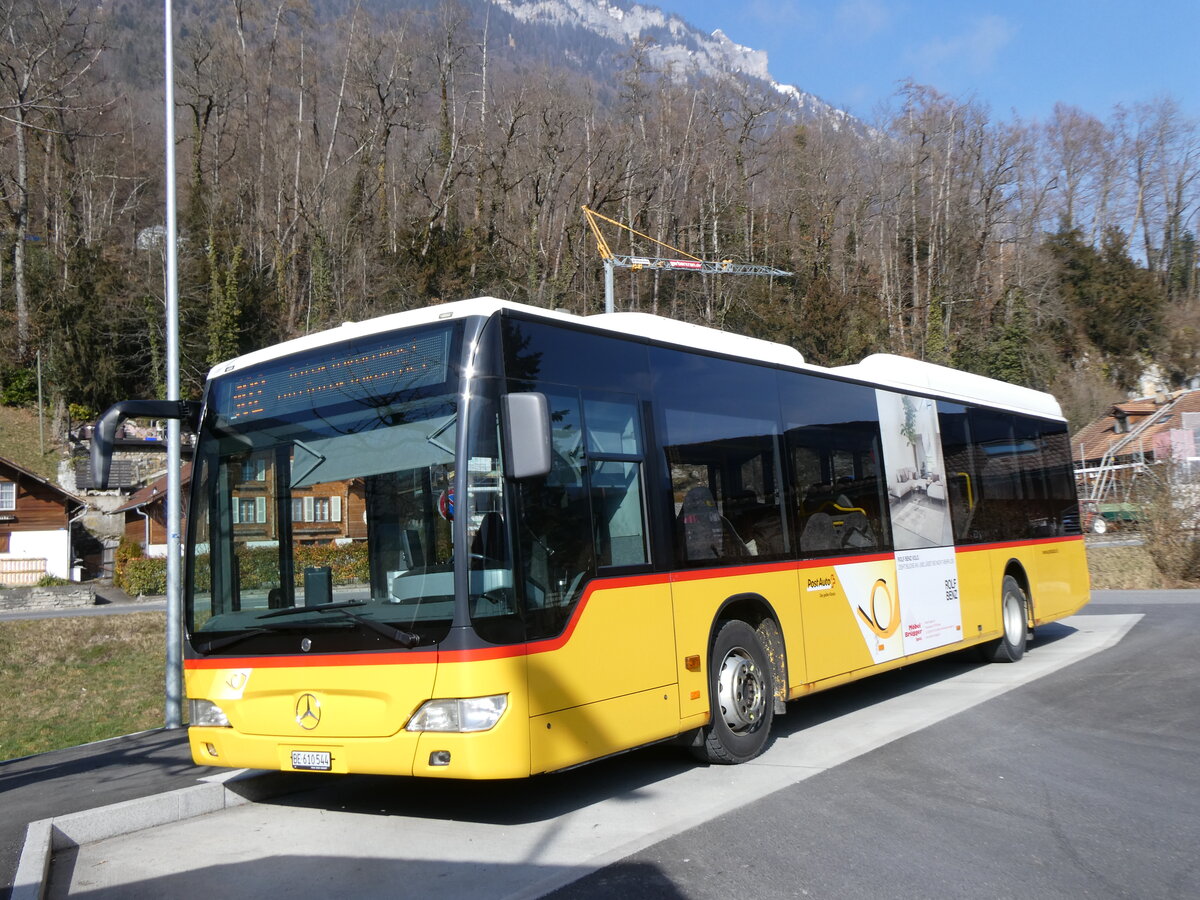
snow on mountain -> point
(673, 44)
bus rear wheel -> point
(741, 694)
(1013, 615)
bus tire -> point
(1013, 616)
(741, 695)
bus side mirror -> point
(526, 435)
(105, 430)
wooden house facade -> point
(35, 526)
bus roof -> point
(901, 372)
(882, 369)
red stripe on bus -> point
(391, 657)
(480, 654)
(791, 565)
(1008, 545)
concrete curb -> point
(46, 836)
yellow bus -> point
(484, 540)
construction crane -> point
(689, 263)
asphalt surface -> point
(67, 781)
(109, 601)
(1083, 783)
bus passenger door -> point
(601, 652)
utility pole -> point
(687, 263)
(174, 671)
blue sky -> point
(1022, 56)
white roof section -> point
(907, 374)
(657, 328)
(685, 334)
(480, 306)
(883, 369)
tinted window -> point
(962, 469)
(614, 448)
(720, 427)
(832, 433)
(537, 351)
(1014, 474)
(554, 528)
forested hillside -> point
(342, 163)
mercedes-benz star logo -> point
(308, 712)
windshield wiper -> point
(403, 638)
(231, 639)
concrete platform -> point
(366, 836)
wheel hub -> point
(1014, 619)
(741, 691)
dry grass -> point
(1124, 569)
(74, 680)
(21, 443)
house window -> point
(8, 495)
(317, 509)
(249, 510)
(254, 469)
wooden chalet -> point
(332, 512)
(145, 514)
(35, 526)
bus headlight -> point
(461, 714)
(205, 712)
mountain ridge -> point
(671, 43)
(591, 38)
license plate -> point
(311, 760)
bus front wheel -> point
(1013, 611)
(741, 694)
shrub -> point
(258, 567)
(143, 576)
(81, 413)
(127, 550)
(51, 581)
(1167, 518)
(18, 386)
(135, 574)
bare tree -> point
(46, 52)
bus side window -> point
(840, 511)
(833, 446)
(726, 501)
(555, 532)
(720, 428)
(614, 450)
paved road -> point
(1085, 783)
(1081, 782)
(112, 609)
(109, 601)
(66, 781)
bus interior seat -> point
(703, 532)
(489, 542)
(855, 530)
(699, 525)
(819, 534)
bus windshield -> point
(324, 500)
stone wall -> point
(63, 597)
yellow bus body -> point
(630, 668)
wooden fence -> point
(18, 572)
